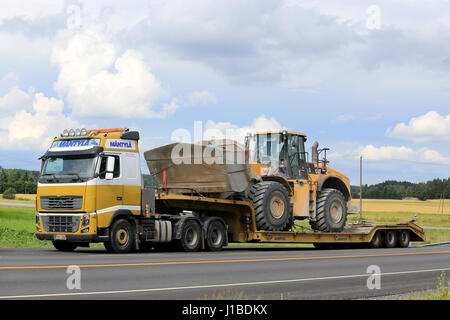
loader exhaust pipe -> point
(314, 153)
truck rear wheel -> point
(64, 246)
(190, 237)
(377, 240)
(404, 238)
(121, 237)
(331, 211)
(390, 239)
(271, 203)
(215, 236)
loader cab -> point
(281, 152)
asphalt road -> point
(246, 273)
(16, 204)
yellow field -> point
(20, 198)
(410, 206)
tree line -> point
(22, 181)
(391, 189)
(25, 181)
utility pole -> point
(360, 190)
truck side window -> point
(116, 167)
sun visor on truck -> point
(86, 152)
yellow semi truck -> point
(91, 190)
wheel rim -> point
(122, 236)
(276, 206)
(336, 211)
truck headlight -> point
(37, 219)
(86, 220)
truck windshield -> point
(68, 169)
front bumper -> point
(71, 237)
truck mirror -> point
(109, 175)
(110, 162)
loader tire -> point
(271, 203)
(331, 211)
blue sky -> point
(360, 77)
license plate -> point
(60, 237)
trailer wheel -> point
(404, 238)
(390, 239)
(331, 212)
(121, 237)
(271, 203)
(377, 240)
(215, 236)
(64, 246)
(190, 237)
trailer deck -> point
(240, 218)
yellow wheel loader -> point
(286, 187)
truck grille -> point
(61, 202)
(60, 223)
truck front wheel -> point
(121, 237)
(64, 246)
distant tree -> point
(9, 193)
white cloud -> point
(402, 153)
(428, 127)
(200, 98)
(34, 130)
(13, 100)
(30, 10)
(219, 130)
(97, 81)
(344, 118)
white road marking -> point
(213, 285)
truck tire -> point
(331, 211)
(215, 236)
(377, 240)
(191, 236)
(121, 237)
(64, 246)
(271, 203)
(403, 239)
(390, 239)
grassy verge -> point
(17, 227)
(442, 291)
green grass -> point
(17, 228)
(442, 291)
